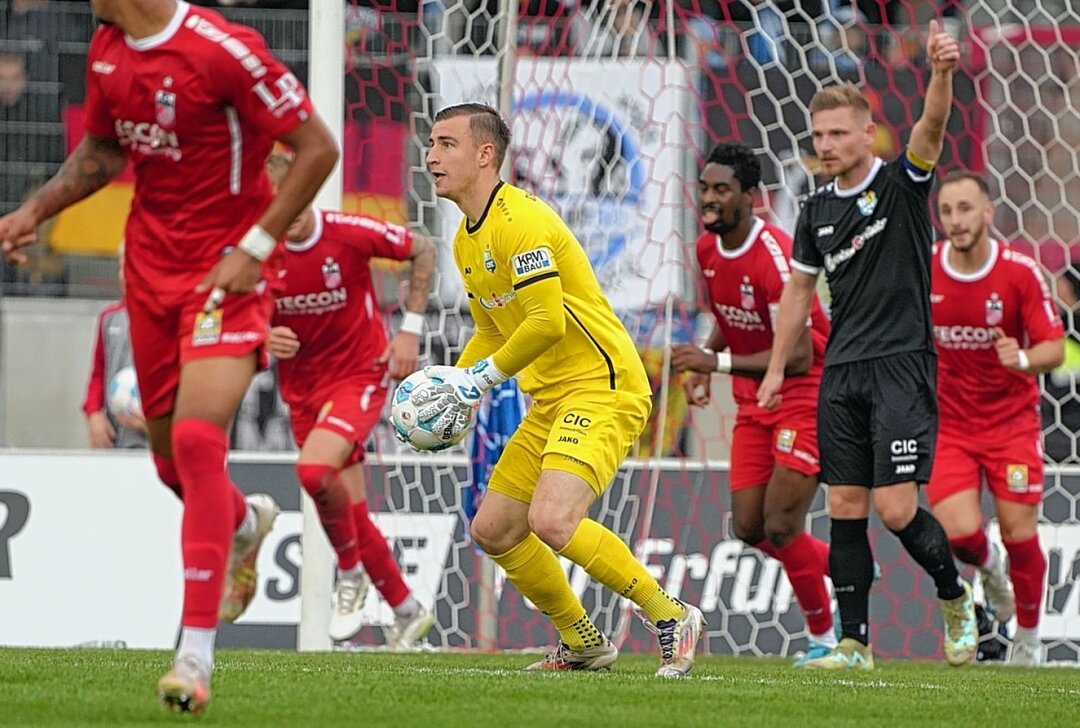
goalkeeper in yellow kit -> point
(540, 315)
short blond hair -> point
(277, 164)
(841, 96)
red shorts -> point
(168, 329)
(1011, 462)
(764, 439)
(351, 408)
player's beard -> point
(974, 236)
(721, 226)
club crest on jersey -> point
(489, 262)
(867, 202)
(165, 108)
(995, 310)
(746, 294)
(331, 273)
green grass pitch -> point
(263, 688)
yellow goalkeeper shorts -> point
(586, 432)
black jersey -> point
(874, 243)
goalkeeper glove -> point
(471, 383)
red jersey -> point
(1009, 295)
(196, 108)
(744, 287)
(329, 301)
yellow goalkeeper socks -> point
(607, 559)
(532, 567)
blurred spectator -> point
(768, 27)
(112, 354)
(620, 29)
(12, 79)
(887, 12)
(29, 150)
(14, 110)
(262, 422)
(551, 27)
(30, 28)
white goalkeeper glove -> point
(471, 383)
(452, 419)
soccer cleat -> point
(814, 651)
(678, 641)
(241, 581)
(185, 688)
(850, 654)
(347, 606)
(998, 589)
(961, 627)
(406, 632)
(1026, 651)
(563, 658)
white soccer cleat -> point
(242, 580)
(347, 605)
(678, 642)
(1026, 650)
(406, 632)
(563, 658)
(998, 589)
(186, 687)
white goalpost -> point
(325, 84)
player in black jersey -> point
(870, 230)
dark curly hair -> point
(743, 162)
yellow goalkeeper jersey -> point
(537, 304)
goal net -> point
(613, 107)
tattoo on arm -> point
(89, 168)
(420, 273)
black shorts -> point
(877, 420)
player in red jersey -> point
(195, 103)
(774, 453)
(335, 362)
(996, 329)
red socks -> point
(972, 549)
(802, 562)
(332, 503)
(1027, 571)
(378, 560)
(199, 449)
(166, 470)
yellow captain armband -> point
(917, 163)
